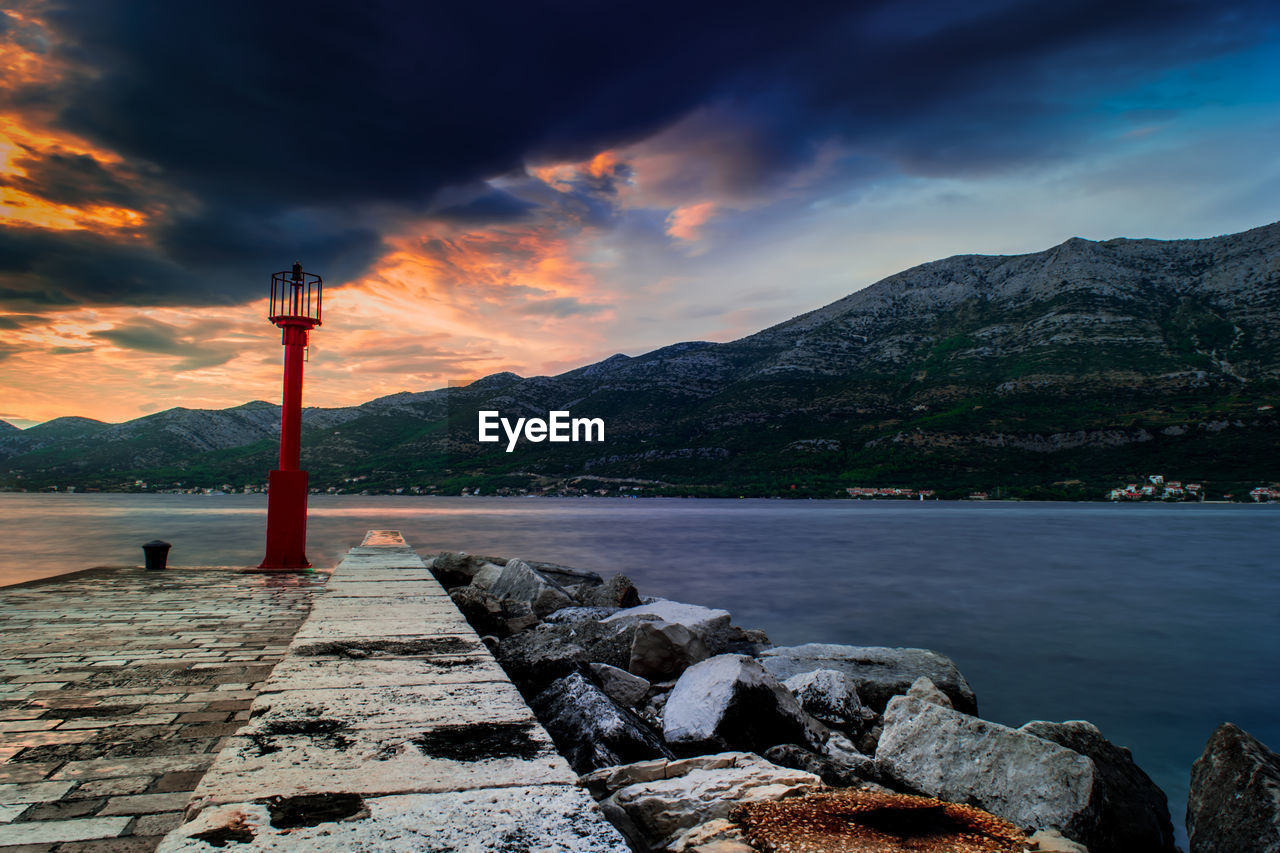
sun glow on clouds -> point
(22, 146)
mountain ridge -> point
(1070, 349)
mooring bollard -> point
(156, 552)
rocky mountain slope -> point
(1060, 369)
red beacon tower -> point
(295, 308)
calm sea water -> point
(1154, 622)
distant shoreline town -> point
(1154, 487)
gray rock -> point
(662, 800)
(880, 673)
(731, 702)
(1132, 813)
(486, 575)
(925, 690)
(831, 773)
(619, 685)
(662, 650)
(538, 656)
(617, 591)
(830, 696)
(519, 581)
(566, 615)
(590, 729)
(1022, 778)
(1234, 803)
(455, 568)
(840, 750)
(712, 625)
(564, 575)
(481, 610)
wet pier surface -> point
(117, 689)
(196, 710)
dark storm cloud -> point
(75, 179)
(204, 260)
(488, 207)
(288, 123)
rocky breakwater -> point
(698, 735)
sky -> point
(536, 186)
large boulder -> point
(1015, 775)
(590, 729)
(711, 625)
(619, 685)
(663, 650)
(536, 657)
(565, 576)
(731, 702)
(656, 802)
(520, 582)
(1234, 803)
(1133, 813)
(830, 696)
(617, 591)
(1062, 776)
(880, 673)
(481, 610)
(456, 568)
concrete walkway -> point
(388, 726)
(117, 689)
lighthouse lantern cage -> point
(294, 295)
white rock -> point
(706, 621)
(732, 702)
(696, 791)
(828, 695)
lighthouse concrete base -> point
(286, 521)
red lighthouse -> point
(295, 308)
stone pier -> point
(117, 689)
(283, 712)
(388, 726)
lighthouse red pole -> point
(287, 485)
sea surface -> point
(1154, 622)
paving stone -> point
(132, 844)
(157, 824)
(64, 809)
(173, 782)
(146, 803)
(25, 772)
(27, 725)
(54, 831)
(33, 792)
(116, 787)
(11, 812)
